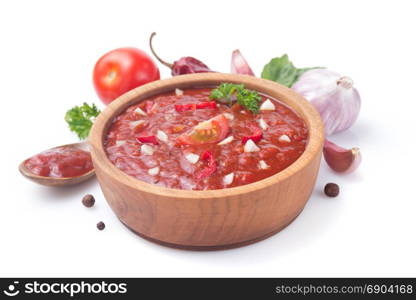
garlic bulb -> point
(333, 95)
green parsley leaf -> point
(282, 70)
(250, 100)
(81, 118)
(229, 92)
(225, 92)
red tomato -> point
(121, 70)
(211, 131)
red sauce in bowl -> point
(161, 141)
(60, 162)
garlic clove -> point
(120, 143)
(228, 179)
(153, 171)
(140, 111)
(192, 158)
(134, 124)
(263, 124)
(340, 159)
(178, 92)
(250, 146)
(263, 165)
(227, 140)
(267, 105)
(239, 64)
(228, 116)
(147, 149)
(284, 138)
(162, 136)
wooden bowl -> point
(213, 219)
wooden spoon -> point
(53, 181)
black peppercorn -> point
(100, 225)
(331, 189)
(88, 200)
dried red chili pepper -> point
(211, 165)
(188, 65)
(150, 139)
(255, 137)
(185, 65)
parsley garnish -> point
(229, 92)
(81, 118)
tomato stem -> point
(163, 62)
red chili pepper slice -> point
(207, 155)
(255, 137)
(211, 165)
(150, 139)
(185, 107)
(193, 106)
(207, 104)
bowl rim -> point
(300, 105)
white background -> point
(47, 52)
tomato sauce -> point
(60, 162)
(181, 140)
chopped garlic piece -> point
(227, 140)
(263, 165)
(134, 124)
(147, 149)
(229, 116)
(267, 105)
(228, 179)
(140, 111)
(168, 116)
(154, 107)
(162, 136)
(284, 138)
(178, 92)
(250, 146)
(263, 124)
(192, 158)
(153, 171)
(120, 143)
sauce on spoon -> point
(60, 162)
